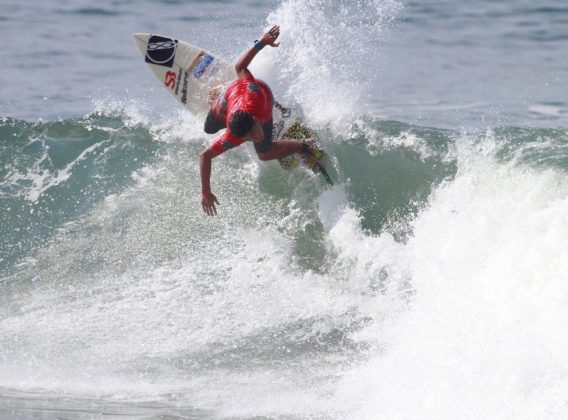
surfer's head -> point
(244, 124)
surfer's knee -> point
(208, 129)
(212, 124)
(265, 150)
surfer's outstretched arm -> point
(208, 199)
(269, 38)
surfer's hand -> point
(269, 38)
(214, 94)
(208, 203)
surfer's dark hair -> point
(241, 122)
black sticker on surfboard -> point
(161, 51)
(285, 111)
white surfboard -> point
(189, 72)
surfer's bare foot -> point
(313, 154)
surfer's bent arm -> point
(269, 38)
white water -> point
(483, 336)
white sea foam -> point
(482, 336)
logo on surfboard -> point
(285, 111)
(277, 128)
(161, 51)
(204, 61)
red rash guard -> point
(247, 94)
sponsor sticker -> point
(285, 111)
(277, 130)
(161, 51)
(184, 87)
(195, 60)
(179, 78)
(170, 80)
(202, 65)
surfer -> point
(245, 110)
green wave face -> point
(54, 172)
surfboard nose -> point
(141, 41)
(140, 36)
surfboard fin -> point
(321, 169)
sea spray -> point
(324, 60)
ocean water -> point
(429, 283)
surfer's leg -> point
(268, 150)
(217, 115)
(281, 149)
